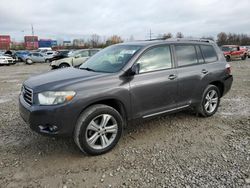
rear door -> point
(191, 71)
(35, 57)
(154, 89)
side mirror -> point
(135, 69)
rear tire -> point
(210, 101)
(47, 61)
(98, 129)
(244, 57)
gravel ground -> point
(179, 150)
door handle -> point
(204, 71)
(172, 76)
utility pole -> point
(32, 32)
(150, 34)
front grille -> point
(10, 61)
(27, 95)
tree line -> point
(96, 41)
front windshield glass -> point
(111, 59)
(226, 49)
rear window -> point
(209, 53)
(186, 55)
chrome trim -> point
(27, 95)
(165, 111)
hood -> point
(5, 57)
(60, 79)
(67, 59)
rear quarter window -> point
(209, 53)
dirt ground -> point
(179, 150)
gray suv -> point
(123, 83)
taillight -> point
(228, 69)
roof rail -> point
(191, 39)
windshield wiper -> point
(87, 69)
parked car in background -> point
(60, 55)
(123, 83)
(11, 53)
(2, 52)
(48, 55)
(44, 49)
(35, 57)
(232, 52)
(247, 48)
(75, 59)
(6, 60)
(21, 55)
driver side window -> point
(157, 58)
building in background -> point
(47, 43)
(5, 42)
(67, 43)
(78, 42)
(54, 43)
(31, 42)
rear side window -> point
(208, 53)
(186, 55)
(157, 58)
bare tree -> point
(221, 38)
(114, 40)
(167, 35)
(94, 40)
(179, 35)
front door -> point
(81, 58)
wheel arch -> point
(220, 86)
(64, 63)
(112, 102)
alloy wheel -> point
(101, 131)
(211, 101)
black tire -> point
(63, 65)
(244, 57)
(81, 129)
(29, 61)
(228, 58)
(201, 109)
(47, 61)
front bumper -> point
(48, 120)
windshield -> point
(111, 59)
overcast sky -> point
(68, 19)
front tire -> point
(98, 129)
(47, 61)
(210, 101)
(29, 61)
(63, 65)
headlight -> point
(55, 97)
